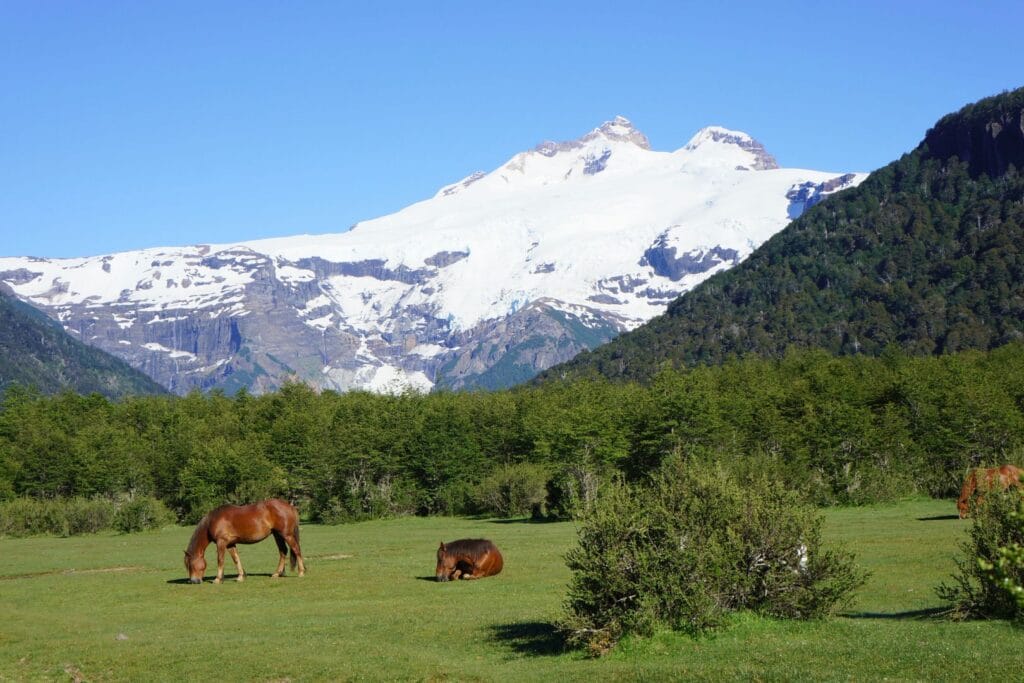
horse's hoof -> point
(240, 578)
(275, 575)
(301, 574)
(216, 580)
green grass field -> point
(114, 607)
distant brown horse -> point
(985, 479)
(229, 525)
(468, 558)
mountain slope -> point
(36, 351)
(494, 278)
(925, 254)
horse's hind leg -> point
(293, 543)
(282, 549)
(238, 563)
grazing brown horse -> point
(984, 479)
(468, 558)
(229, 525)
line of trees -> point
(840, 430)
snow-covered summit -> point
(614, 147)
(715, 145)
(514, 270)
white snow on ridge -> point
(601, 227)
(173, 353)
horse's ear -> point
(442, 546)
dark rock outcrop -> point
(988, 135)
(663, 259)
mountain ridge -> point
(603, 230)
(36, 352)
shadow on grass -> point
(227, 577)
(428, 578)
(536, 638)
(527, 520)
(930, 612)
(937, 518)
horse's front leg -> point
(221, 547)
(238, 563)
(282, 549)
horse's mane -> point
(201, 533)
(473, 548)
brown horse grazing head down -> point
(985, 479)
(468, 558)
(230, 525)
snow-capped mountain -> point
(494, 278)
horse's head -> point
(445, 564)
(962, 508)
(195, 567)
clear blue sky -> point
(132, 124)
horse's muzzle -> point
(443, 577)
(195, 580)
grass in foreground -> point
(115, 607)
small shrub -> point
(85, 515)
(60, 516)
(142, 513)
(574, 490)
(387, 496)
(693, 546)
(454, 498)
(330, 511)
(977, 589)
(365, 498)
(513, 490)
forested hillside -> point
(840, 430)
(36, 351)
(925, 255)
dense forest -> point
(35, 350)
(841, 430)
(924, 254)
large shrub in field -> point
(693, 545)
(989, 582)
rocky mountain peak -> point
(619, 129)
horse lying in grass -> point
(985, 479)
(468, 558)
(229, 525)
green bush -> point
(142, 513)
(574, 489)
(1007, 571)
(59, 516)
(365, 498)
(454, 498)
(978, 590)
(513, 490)
(692, 546)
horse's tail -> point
(294, 560)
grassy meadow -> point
(115, 607)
